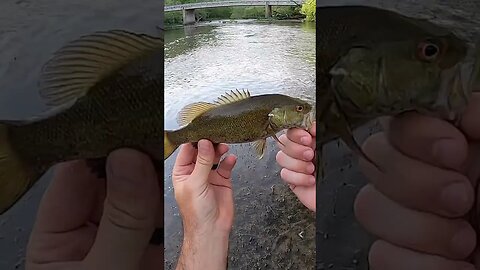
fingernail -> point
(463, 242)
(308, 155)
(455, 198)
(447, 152)
(310, 168)
(305, 140)
(203, 146)
(311, 180)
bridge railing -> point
(214, 3)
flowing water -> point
(272, 229)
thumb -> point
(129, 212)
(205, 158)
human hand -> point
(84, 223)
(296, 157)
(205, 200)
(417, 207)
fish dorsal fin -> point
(233, 96)
(82, 63)
(192, 111)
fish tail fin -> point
(168, 146)
(16, 177)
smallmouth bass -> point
(237, 117)
(105, 91)
(374, 62)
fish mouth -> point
(457, 84)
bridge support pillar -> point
(268, 10)
(188, 16)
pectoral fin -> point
(260, 147)
(276, 139)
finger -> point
(306, 195)
(424, 232)
(205, 159)
(429, 139)
(185, 160)
(225, 169)
(299, 136)
(69, 199)
(220, 150)
(185, 155)
(295, 150)
(129, 212)
(297, 179)
(293, 164)
(471, 118)
(313, 129)
(385, 256)
(63, 213)
(413, 183)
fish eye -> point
(299, 108)
(428, 51)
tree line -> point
(306, 12)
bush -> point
(308, 9)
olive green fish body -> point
(111, 116)
(105, 91)
(239, 120)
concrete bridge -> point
(189, 9)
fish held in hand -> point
(237, 117)
(374, 62)
(105, 91)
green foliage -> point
(308, 9)
(286, 12)
(248, 13)
(175, 17)
(214, 13)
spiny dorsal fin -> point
(82, 63)
(191, 111)
(233, 96)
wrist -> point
(204, 250)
